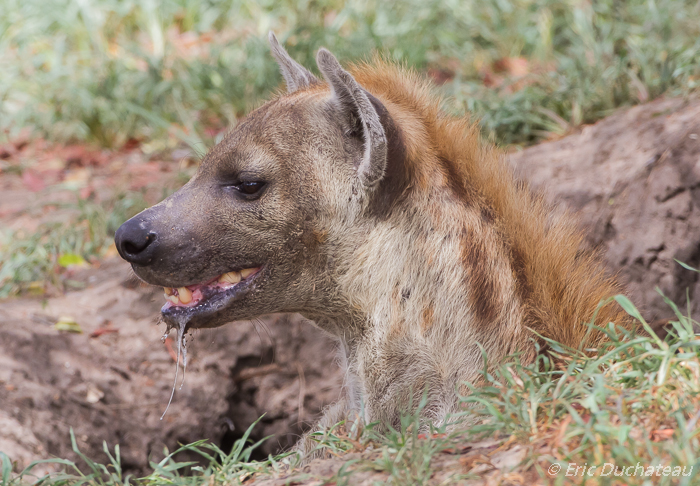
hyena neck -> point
(434, 264)
(424, 256)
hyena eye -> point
(249, 188)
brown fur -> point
(391, 226)
(427, 321)
(560, 284)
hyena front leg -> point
(309, 446)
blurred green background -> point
(107, 71)
(163, 76)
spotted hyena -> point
(355, 201)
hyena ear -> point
(295, 75)
(358, 112)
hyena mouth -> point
(209, 297)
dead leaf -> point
(661, 434)
(71, 260)
(471, 461)
(36, 287)
(68, 324)
(107, 329)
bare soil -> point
(633, 177)
(113, 386)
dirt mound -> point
(112, 382)
(634, 177)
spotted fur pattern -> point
(450, 253)
(393, 227)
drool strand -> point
(180, 346)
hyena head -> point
(257, 229)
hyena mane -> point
(559, 280)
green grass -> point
(34, 261)
(222, 468)
(108, 71)
(572, 406)
(611, 403)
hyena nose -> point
(136, 242)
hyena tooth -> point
(230, 277)
(247, 272)
(168, 291)
(185, 295)
(173, 299)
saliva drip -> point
(184, 356)
(181, 350)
